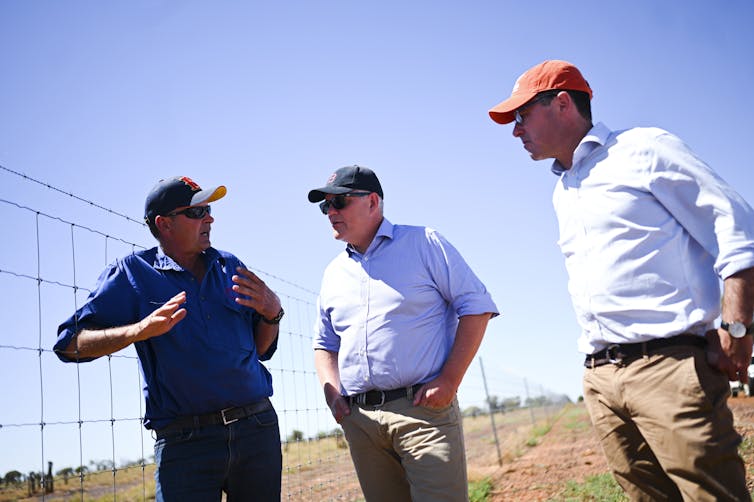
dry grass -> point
(319, 469)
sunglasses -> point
(339, 201)
(195, 213)
(520, 115)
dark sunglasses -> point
(195, 213)
(339, 201)
(519, 115)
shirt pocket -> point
(237, 328)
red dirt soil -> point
(568, 452)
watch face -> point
(736, 329)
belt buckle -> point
(612, 354)
(227, 421)
(382, 399)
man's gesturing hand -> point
(255, 294)
(163, 318)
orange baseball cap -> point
(552, 74)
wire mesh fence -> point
(73, 431)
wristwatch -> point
(276, 319)
(737, 329)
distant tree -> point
(102, 465)
(561, 399)
(472, 411)
(81, 470)
(340, 441)
(537, 401)
(13, 478)
(295, 435)
(134, 463)
(65, 473)
(336, 433)
(511, 403)
(492, 402)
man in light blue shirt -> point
(401, 316)
(647, 230)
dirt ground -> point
(536, 465)
(571, 452)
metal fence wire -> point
(73, 431)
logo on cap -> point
(191, 183)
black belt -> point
(380, 397)
(222, 417)
(622, 353)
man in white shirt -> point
(647, 230)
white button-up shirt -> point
(647, 230)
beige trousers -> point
(665, 427)
(403, 452)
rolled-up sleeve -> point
(714, 214)
(458, 284)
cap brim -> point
(209, 195)
(505, 112)
(319, 194)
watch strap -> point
(276, 319)
(726, 326)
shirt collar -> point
(385, 231)
(164, 262)
(597, 136)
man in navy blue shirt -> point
(200, 323)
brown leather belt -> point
(623, 353)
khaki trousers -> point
(665, 427)
(403, 452)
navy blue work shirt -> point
(206, 362)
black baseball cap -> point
(180, 191)
(347, 179)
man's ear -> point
(163, 223)
(564, 101)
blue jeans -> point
(243, 459)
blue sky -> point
(102, 99)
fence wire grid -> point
(74, 430)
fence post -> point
(492, 415)
(528, 402)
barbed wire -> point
(72, 195)
(116, 213)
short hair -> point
(153, 228)
(580, 99)
(583, 103)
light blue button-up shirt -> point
(647, 230)
(391, 313)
